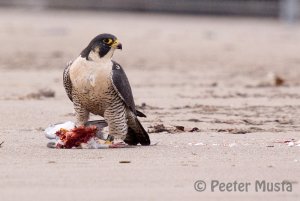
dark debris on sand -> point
(145, 106)
(42, 93)
(158, 128)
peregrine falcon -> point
(97, 84)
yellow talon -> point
(108, 142)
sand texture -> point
(234, 82)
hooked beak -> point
(117, 45)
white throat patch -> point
(94, 55)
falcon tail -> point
(140, 114)
(134, 137)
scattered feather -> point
(272, 80)
(290, 143)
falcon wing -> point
(122, 87)
(67, 81)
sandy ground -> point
(216, 74)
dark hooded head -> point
(101, 46)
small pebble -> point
(124, 161)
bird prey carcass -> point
(96, 84)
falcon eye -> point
(108, 41)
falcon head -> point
(101, 47)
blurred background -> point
(240, 37)
(219, 37)
(286, 9)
